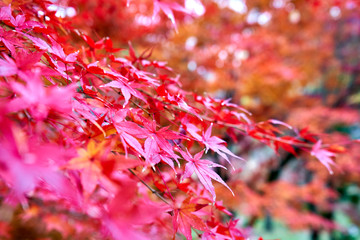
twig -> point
(150, 188)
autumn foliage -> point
(101, 141)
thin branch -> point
(150, 188)
(157, 168)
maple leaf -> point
(216, 144)
(8, 66)
(156, 64)
(323, 155)
(167, 8)
(5, 13)
(153, 154)
(127, 212)
(211, 142)
(10, 40)
(127, 132)
(40, 100)
(274, 121)
(184, 218)
(202, 168)
(26, 163)
(216, 105)
(152, 151)
(24, 65)
(214, 235)
(60, 67)
(103, 43)
(89, 162)
(19, 22)
(143, 76)
(55, 49)
(126, 87)
(38, 42)
(286, 143)
(160, 138)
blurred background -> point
(297, 61)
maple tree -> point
(100, 141)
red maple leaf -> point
(184, 218)
(127, 132)
(9, 39)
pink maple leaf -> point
(54, 49)
(323, 155)
(8, 66)
(127, 212)
(57, 50)
(5, 13)
(211, 142)
(167, 8)
(202, 168)
(20, 23)
(38, 42)
(160, 137)
(153, 154)
(40, 100)
(126, 87)
(24, 64)
(26, 163)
